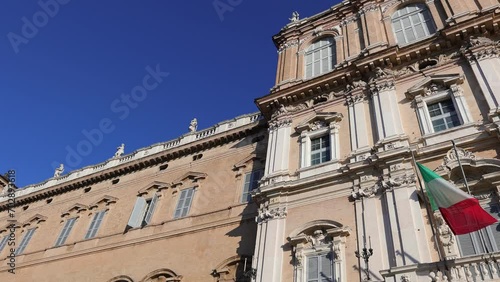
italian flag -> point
(460, 210)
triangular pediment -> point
(155, 185)
(189, 176)
(76, 208)
(434, 83)
(105, 201)
(319, 120)
(36, 219)
(246, 161)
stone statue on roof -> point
(59, 171)
(193, 125)
(120, 150)
(295, 17)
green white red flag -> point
(460, 210)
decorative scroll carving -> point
(355, 85)
(288, 109)
(273, 125)
(318, 31)
(319, 237)
(265, 214)
(288, 44)
(452, 157)
(353, 99)
(433, 88)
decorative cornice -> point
(266, 214)
(145, 157)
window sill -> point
(318, 169)
(450, 134)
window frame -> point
(3, 242)
(306, 146)
(322, 151)
(93, 229)
(429, 26)
(25, 241)
(425, 120)
(311, 51)
(180, 208)
(143, 211)
(65, 231)
(246, 193)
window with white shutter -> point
(184, 203)
(319, 268)
(412, 23)
(95, 224)
(142, 212)
(68, 225)
(24, 242)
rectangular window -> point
(320, 150)
(184, 203)
(24, 242)
(443, 115)
(484, 240)
(319, 268)
(95, 224)
(251, 182)
(142, 212)
(65, 231)
(3, 242)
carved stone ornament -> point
(288, 44)
(378, 87)
(59, 171)
(383, 185)
(451, 157)
(319, 237)
(355, 85)
(282, 109)
(273, 125)
(119, 151)
(318, 31)
(434, 84)
(353, 99)
(319, 120)
(318, 124)
(445, 235)
(265, 214)
(405, 278)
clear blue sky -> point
(67, 74)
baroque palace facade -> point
(323, 170)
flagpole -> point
(461, 168)
(483, 242)
(429, 214)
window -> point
(486, 240)
(95, 224)
(443, 115)
(320, 150)
(412, 23)
(143, 211)
(319, 268)
(320, 57)
(184, 203)
(24, 242)
(251, 182)
(4, 242)
(65, 231)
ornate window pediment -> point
(104, 201)
(318, 121)
(440, 105)
(74, 210)
(189, 178)
(34, 220)
(153, 186)
(319, 248)
(433, 84)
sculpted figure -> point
(59, 171)
(193, 125)
(120, 150)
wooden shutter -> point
(151, 209)
(137, 215)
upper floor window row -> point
(412, 23)
(320, 57)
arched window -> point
(320, 57)
(412, 23)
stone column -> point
(355, 102)
(268, 259)
(386, 110)
(485, 62)
(278, 150)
